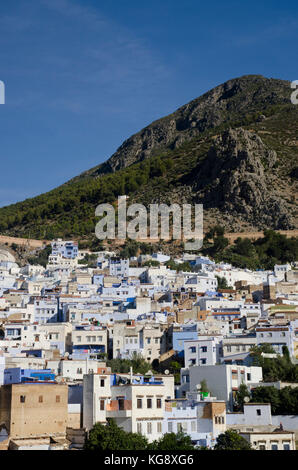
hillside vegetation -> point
(234, 150)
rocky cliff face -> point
(235, 178)
(227, 103)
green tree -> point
(111, 437)
(274, 369)
(204, 387)
(266, 395)
(137, 362)
(231, 440)
(283, 402)
(172, 441)
(241, 394)
(222, 283)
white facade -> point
(202, 420)
(277, 337)
(135, 405)
(223, 381)
(204, 351)
(67, 249)
(119, 267)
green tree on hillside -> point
(172, 442)
(113, 438)
(231, 440)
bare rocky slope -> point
(228, 103)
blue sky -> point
(81, 76)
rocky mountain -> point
(226, 104)
(236, 178)
(234, 150)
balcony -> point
(119, 408)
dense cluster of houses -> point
(59, 325)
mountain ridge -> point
(234, 149)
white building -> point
(67, 249)
(223, 381)
(119, 267)
(203, 420)
(136, 403)
(205, 351)
(277, 337)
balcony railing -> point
(119, 405)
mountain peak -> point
(224, 104)
(234, 150)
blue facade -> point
(97, 348)
(187, 334)
(15, 375)
(117, 379)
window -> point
(102, 405)
(182, 427)
(159, 427)
(149, 428)
(40, 399)
(262, 447)
(204, 349)
(79, 371)
(259, 412)
(274, 447)
(22, 398)
(286, 446)
(149, 403)
(192, 349)
(139, 403)
(193, 426)
(102, 382)
(79, 338)
(248, 377)
(158, 403)
(139, 428)
(170, 427)
(121, 404)
(57, 398)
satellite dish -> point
(246, 399)
(167, 372)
